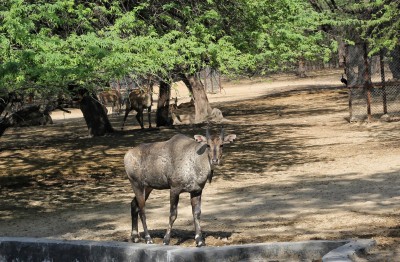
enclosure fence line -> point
(373, 82)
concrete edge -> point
(42, 249)
(350, 251)
(282, 251)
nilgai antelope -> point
(180, 164)
(138, 100)
(112, 97)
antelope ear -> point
(200, 138)
(229, 138)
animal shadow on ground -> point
(56, 173)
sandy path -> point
(297, 171)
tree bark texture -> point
(342, 54)
(30, 116)
(4, 101)
(394, 62)
(301, 70)
(164, 95)
(201, 104)
(95, 116)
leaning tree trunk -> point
(95, 116)
(30, 116)
(163, 105)
(201, 104)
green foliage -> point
(376, 22)
(382, 31)
(291, 31)
(49, 44)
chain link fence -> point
(373, 82)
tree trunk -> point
(95, 116)
(30, 116)
(394, 63)
(4, 101)
(342, 53)
(164, 95)
(201, 104)
(301, 70)
(4, 124)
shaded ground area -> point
(298, 171)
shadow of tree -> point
(312, 199)
(58, 171)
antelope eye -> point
(208, 145)
(221, 146)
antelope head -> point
(215, 144)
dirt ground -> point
(297, 171)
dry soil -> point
(297, 171)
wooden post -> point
(367, 80)
(211, 79)
(205, 79)
(219, 82)
(384, 96)
(346, 53)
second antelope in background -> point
(138, 100)
(112, 97)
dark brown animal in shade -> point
(180, 164)
(343, 80)
(138, 100)
(186, 105)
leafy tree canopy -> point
(46, 45)
(376, 22)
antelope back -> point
(140, 98)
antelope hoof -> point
(135, 238)
(148, 240)
(200, 241)
(166, 240)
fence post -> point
(219, 82)
(344, 62)
(367, 80)
(384, 97)
(212, 76)
(205, 79)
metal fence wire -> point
(374, 83)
